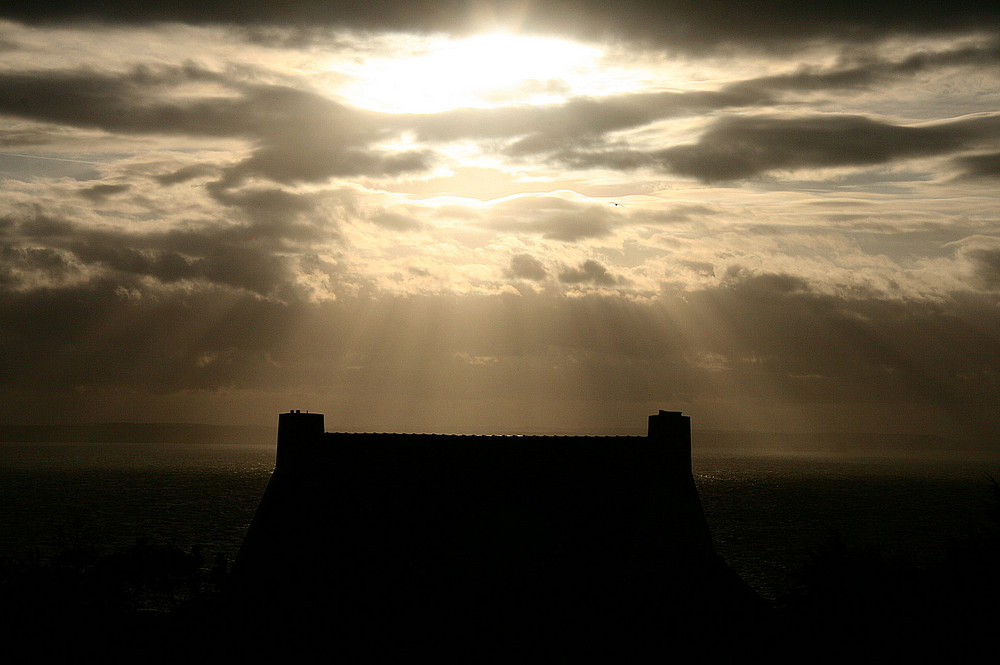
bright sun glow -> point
(480, 71)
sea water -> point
(108, 495)
(765, 512)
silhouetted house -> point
(371, 544)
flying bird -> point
(615, 203)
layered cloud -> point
(702, 25)
(769, 210)
(744, 147)
(297, 135)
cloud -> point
(979, 166)
(571, 227)
(543, 128)
(866, 71)
(131, 102)
(116, 333)
(862, 347)
(276, 214)
(767, 283)
(254, 269)
(184, 174)
(289, 163)
(98, 193)
(525, 266)
(30, 167)
(986, 267)
(395, 221)
(305, 137)
(679, 24)
(589, 272)
(24, 267)
(574, 130)
(241, 257)
(228, 257)
(302, 136)
(773, 339)
(573, 133)
(742, 147)
(28, 134)
(35, 224)
(552, 217)
(299, 136)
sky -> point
(492, 217)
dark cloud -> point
(41, 258)
(738, 276)
(863, 348)
(114, 254)
(276, 214)
(679, 24)
(19, 266)
(986, 266)
(185, 174)
(865, 72)
(304, 137)
(624, 159)
(98, 193)
(36, 225)
(109, 332)
(525, 266)
(131, 102)
(768, 338)
(702, 268)
(27, 136)
(299, 136)
(238, 256)
(589, 272)
(979, 166)
(288, 163)
(746, 146)
(254, 269)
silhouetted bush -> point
(143, 600)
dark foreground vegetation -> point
(158, 602)
(149, 601)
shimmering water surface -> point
(110, 494)
(764, 512)
(767, 512)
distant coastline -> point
(704, 441)
(138, 433)
(839, 443)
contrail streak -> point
(54, 159)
